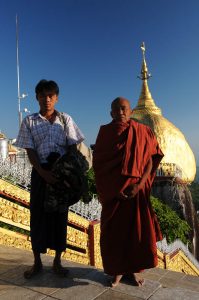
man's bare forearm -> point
(34, 160)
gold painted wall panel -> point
(14, 191)
(77, 257)
(180, 263)
(97, 253)
(13, 239)
(78, 220)
(72, 255)
(14, 214)
(17, 240)
(161, 263)
(77, 238)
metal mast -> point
(19, 96)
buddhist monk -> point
(125, 158)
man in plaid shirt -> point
(45, 135)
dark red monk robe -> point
(129, 228)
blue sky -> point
(92, 49)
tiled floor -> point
(85, 282)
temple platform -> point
(85, 282)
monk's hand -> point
(131, 191)
(122, 196)
(48, 176)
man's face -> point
(121, 111)
(47, 100)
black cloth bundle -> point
(72, 185)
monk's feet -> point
(59, 270)
(116, 280)
(135, 279)
(33, 271)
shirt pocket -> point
(57, 135)
(40, 134)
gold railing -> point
(83, 236)
(15, 215)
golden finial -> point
(145, 102)
(144, 75)
(143, 50)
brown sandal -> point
(34, 270)
(59, 270)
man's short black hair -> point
(47, 85)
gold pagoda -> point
(179, 160)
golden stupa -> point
(2, 136)
(179, 160)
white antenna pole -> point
(18, 82)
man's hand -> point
(48, 176)
(45, 174)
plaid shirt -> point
(38, 133)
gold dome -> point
(177, 152)
(2, 136)
(12, 149)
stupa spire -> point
(145, 100)
(144, 74)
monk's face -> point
(121, 110)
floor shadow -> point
(47, 278)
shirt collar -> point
(38, 115)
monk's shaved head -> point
(121, 109)
(118, 100)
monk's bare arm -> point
(133, 189)
(34, 160)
